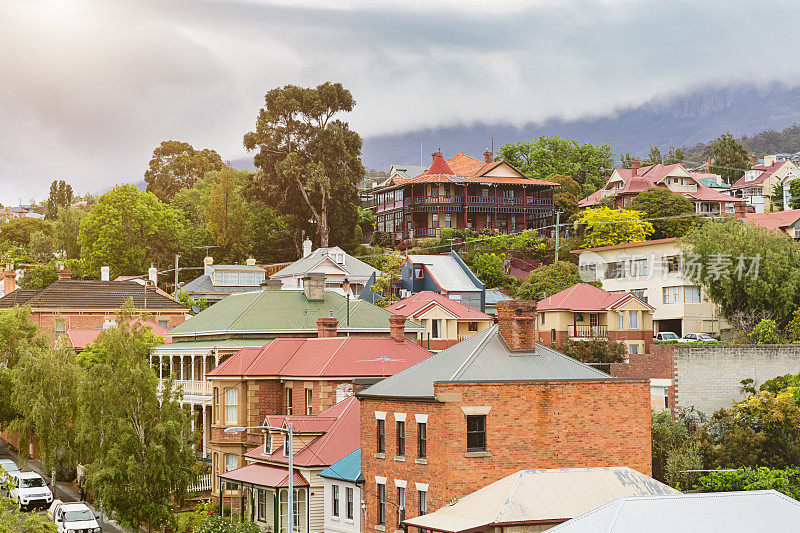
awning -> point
(264, 476)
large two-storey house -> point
(463, 192)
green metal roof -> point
(277, 311)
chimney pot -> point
(207, 262)
(152, 275)
(397, 327)
(251, 261)
(314, 286)
(307, 247)
(327, 327)
(516, 321)
(9, 283)
(488, 156)
(105, 273)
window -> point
(335, 500)
(309, 399)
(691, 294)
(473, 326)
(638, 267)
(231, 462)
(633, 349)
(672, 295)
(423, 502)
(633, 319)
(435, 220)
(594, 319)
(436, 328)
(381, 436)
(299, 513)
(640, 293)
(485, 192)
(381, 504)
(542, 315)
(268, 443)
(349, 492)
(262, 505)
(448, 221)
(401, 438)
(621, 321)
(401, 505)
(288, 401)
(215, 405)
(615, 270)
(488, 221)
(476, 433)
(673, 263)
(418, 272)
(434, 190)
(422, 440)
(588, 271)
(231, 405)
(60, 327)
(164, 323)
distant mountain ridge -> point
(687, 120)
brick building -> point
(297, 376)
(81, 304)
(584, 312)
(493, 404)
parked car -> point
(697, 337)
(73, 517)
(665, 336)
(30, 490)
(8, 465)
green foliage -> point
(39, 277)
(586, 163)
(489, 269)
(216, 524)
(672, 450)
(794, 194)
(607, 227)
(566, 196)
(548, 280)
(177, 165)
(66, 229)
(777, 197)
(381, 238)
(42, 246)
(392, 271)
(762, 274)
(225, 215)
(309, 161)
(188, 302)
(60, 198)
(730, 158)
(8, 412)
(12, 521)
(786, 481)
(593, 350)
(19, 230)
(659, 202)
(18, 335)
(128, 230)
(764, 332)
(780, 383)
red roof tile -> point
(767, 171)
(464, 165)
(265, 476)
(585, 297)
(328, 357)
(419, 303)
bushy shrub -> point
(765, 332)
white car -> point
(31, 490)
(73, 517)
(8, 465)
(665, 336)
(697, 337)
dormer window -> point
(750, 175)
(268, 443)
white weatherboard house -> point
(344, 482)
(340, 268)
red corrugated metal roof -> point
(330, 357)
(776, 221)
(341, 438)
(420, 302)
(584, 297)
(265, 476)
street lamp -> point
(289, 429)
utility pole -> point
(175, 289)
(558, 222)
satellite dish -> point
(195, 309)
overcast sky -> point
(89, 88)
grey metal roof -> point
(204, 285)
(483, 357)
(352, 266)
(493, 296)
(711, 512)
(540, 495)
(449, 275)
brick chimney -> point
(397, 327)
(314, 286)
(64, 275)
(307, 247)
(634, 167)
(326, 327)
(516, 321)
(739, 209)
(9, 283)
(754, 159)
(152, 275)
(488, 156)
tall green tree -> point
(18, 335)
(654, 157)
(141, 449)
(19, 230)
(308, 160)
(128, 230)
(731, 158)
(548, 280)
(66, 229)
(489, 269)
(662, 204)
(586, 163)
(177, 165)
(39, 277)
(607, 227)
(675, 155)
(60, 197)
(566, 196)
(225, 216)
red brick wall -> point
(530, 425)
(659, 364)
(46, 320)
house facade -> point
(343, 493)
(758, 184)
(653, 271)
(489, 406)
(219, 281)
(447, 275)
(463, 192)
(584, 312)
(625, 184)
(445, 321)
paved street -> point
(63, 491)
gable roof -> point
(324, 357)
(447, 272)
(712, 512)
(283, 311)
(81, 294)
(766, 172)
(482, 357)
(204, 285)
(352, 266)
(536, 496)
(342, 435)
(775, 221)
(585, 297)
(421, 302)
(265, 476)
(348, 468)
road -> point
(63, 491)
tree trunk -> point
(324, 230)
